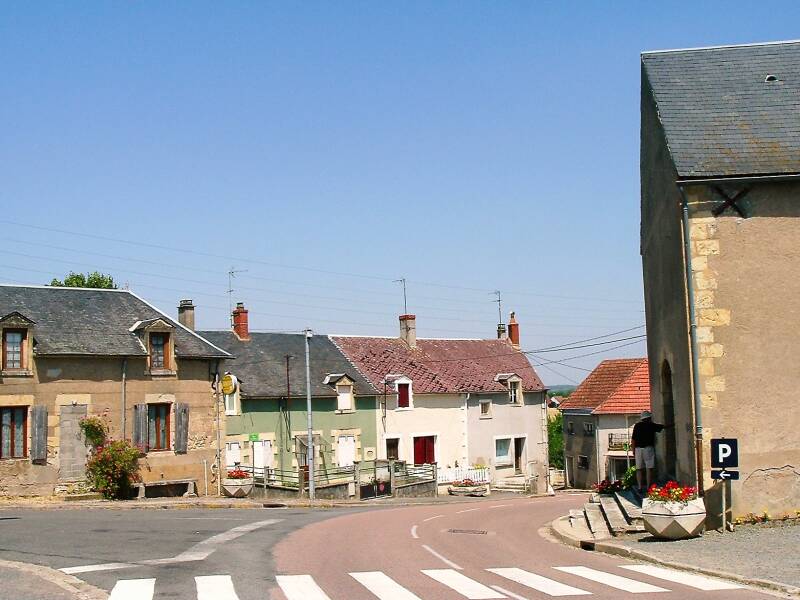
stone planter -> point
(237, 488)
(468, 490)
(674, 520)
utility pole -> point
(405, 299)
(310, 445)
(231, 275)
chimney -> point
(240, 326)
(513, 331)
(408, 330)
(501, 331)
(186, 314)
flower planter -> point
(237, 488)
(674, 520)
(468, 490)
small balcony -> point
(619, 441)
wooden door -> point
(424, 447)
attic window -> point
(770, 79)
(159, 350)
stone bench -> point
(190, 487)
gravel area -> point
(767, 551)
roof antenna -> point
(231, 275)
(499, 306)
(405, 300)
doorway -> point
(668, 404)
(424, 450)
(519, 455)
(71, 445)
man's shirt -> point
(644, 433)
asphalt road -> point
(426, 552)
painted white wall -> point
(441, 415)
(611, 424)
(527, 420)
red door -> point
(423, 450)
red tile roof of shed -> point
(439, 366)
(619, 386)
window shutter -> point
(181, 427)
(39, 434)
(140, 426)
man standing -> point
(643, 441)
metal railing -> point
(619, 441)
(414, 473)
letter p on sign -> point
(724, 453)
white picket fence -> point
(477, 474)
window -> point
(159, 351)
(588, 429)
(502, 451)
(425, 450)
(344, 397)
(583, 462)
(514, 395)
(13, 349)
(403, 395)
(14, 432)
(392, 449)
(570, 428)
(486, 408)
(230, 404)
(158, 426)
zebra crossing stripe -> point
(133, 589)
(383, 586)
(611, 580)
(469, 588)
(300, 587)
(539, 583)
(692, 580)
(215, 587)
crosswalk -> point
(383, 587)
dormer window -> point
(513, 383)
(344, 397)
(16, 347)
(156, 336)
(514, 395)
(159, 351)
(13, 349)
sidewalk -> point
(33, 582)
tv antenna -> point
(499, 306)
(405, 300)
(231, 276)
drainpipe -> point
(124, 386)
(219, 433)
(698, 413)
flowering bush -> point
(113, 469)
(238, 474)
(672, 492)
(94, 430)
(608, 487)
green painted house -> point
(266, 418)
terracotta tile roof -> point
(439, 366)
(619, 386)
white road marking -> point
(499, 505)
(691, 579)
(432, 518)
(383, 586)
(300, 587)
(469, 588)
(445, 560)
(414, 532)
(92, 568)
(509, 594)
(133, 589)
(215, 587)
(615, 581)
(458, 512)
(539, 583)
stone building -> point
(720, 232)
(68, 353)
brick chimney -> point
(240, 325)
(408, 330)
(513, 331)
(186, 314)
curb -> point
(81, 589)
(557, 529)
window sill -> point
(503, 465)
(16, 458)
(16, 373)
(403, 408)
(349, 411)
(162, 373)
(485, 417)
(232, 413)
(158, 451)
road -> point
(427, 552)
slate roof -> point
(260, 364)
(78, 321)
(440, 366)
(720, 117)
(619, 386)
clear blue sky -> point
(474, 146)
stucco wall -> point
(97, 383)
(612, 424)
(748, 331)
(440, 415)
(507, 420)
(580, 444)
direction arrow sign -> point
(725, 475)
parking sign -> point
(724, 453)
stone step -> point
(617, 522)
(580, 528)
(597, 523)
(631, 505)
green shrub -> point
(95, 430)
(113, 469)
(555, 441)
(629, 479)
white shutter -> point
(233, 454)
(262, 454)
(346, 450)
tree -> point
(555, 441)
(90, 280)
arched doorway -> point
(668, 404)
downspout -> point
(124, 391)
(698, 413)
(219, 433)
